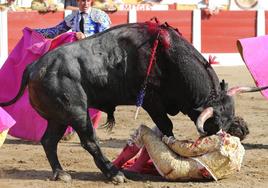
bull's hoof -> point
(119, 178)
(61, 175)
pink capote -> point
(29, 124)
(254, 52)
(6, 121)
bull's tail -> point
(23, 85)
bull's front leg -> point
(155, 108)
(86, 133)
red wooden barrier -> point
(19, 20)
(220, 32)
(178, 19)
(119, 17)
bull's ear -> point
(224, 86)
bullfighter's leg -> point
(86, 133)
(53, 134)
(157, 112)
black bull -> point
(109, 69)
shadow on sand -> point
(16, 173)
(109, 143)
(45, 175)
(19, 141)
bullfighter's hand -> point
(80, 35)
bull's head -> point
(221, 115)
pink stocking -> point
(140, 162)
(127, 153)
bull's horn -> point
(207, 113)
(240, 89)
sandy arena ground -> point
(23, 164)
